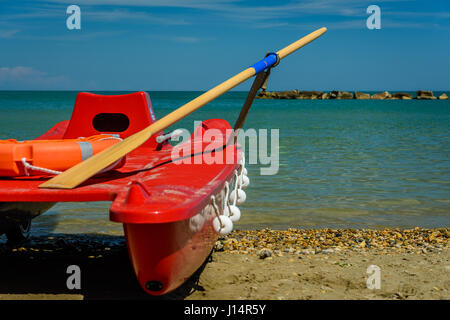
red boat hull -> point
(165, 255)
(165, 206)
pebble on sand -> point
(264, 253)
(328, 241)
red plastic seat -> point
(114, 114)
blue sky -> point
(197, 44)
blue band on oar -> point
(269, 61)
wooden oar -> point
(81, 172)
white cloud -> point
(17, 73)
(193, 4)
(122, 14)
(21, 77)
(270, 25)
(93, 13)
(186, 39)
(335, 7)
(5, 34)
(278, 15)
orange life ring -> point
(44, 157)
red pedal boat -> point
(172, 210)
(168, 209)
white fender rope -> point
(236, 187)
(227, 194)
(216, 210)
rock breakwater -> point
(339, 95)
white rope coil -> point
(111, 138)
(28, 166)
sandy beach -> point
(245, 265)
(331, 276)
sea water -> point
(342, 163)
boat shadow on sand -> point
(38, 268)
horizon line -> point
(123, 90)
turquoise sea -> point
(342, 163)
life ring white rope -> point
(27, 166)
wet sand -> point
(255, 265)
